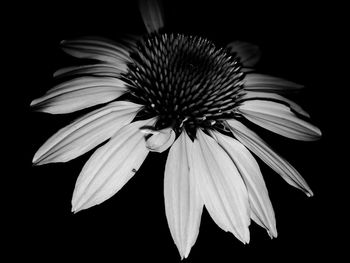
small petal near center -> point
(161, 140)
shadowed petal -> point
(79, 93)
(97, 48)
(248, 53)
(260, 204)
(152, 14)
(266, 83)
(105, 70)
(221, 186)
(183, 204)
(258, 146)
(252, 95)
(86, 133)
(160, 140)
(111, 167)
(278, 118)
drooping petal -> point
(102, 69)
(253, 95)
(258, 146)
(97, 48)
(110, 167)
(183, 204)
(152, 14)
(79, 93)
(161, 140)
(86, 133)
(266, 83)
(248, 53)
(278, 118)
(221, 186)
(260, 204)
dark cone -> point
(184, 80)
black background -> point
(132, 225)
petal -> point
(152, 14)
(97, 48)
(221, 186)
(86, 133)
(257, 145)
(105, 70)
(160, 140)
(248, 53)
(280, 119)
(253, 95)
(266, 83)
(183, 204)
(79, 93)
(110, 167)
(247, 166)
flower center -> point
(186, 81)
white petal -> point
(280, 119)
(221, 186)
(78, 94)
(248, 53)
(266, 83)
(257, 145)
(106, 70)
(161, 140)
(183, 204)
(152, 15)
(97, 48)
(274, 97)
(86, 133)
(260, 204)
(110, 167)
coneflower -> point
(183, 92)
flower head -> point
(186, 94)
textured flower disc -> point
(184, 80)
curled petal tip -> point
(36, 161)
(310, 194)
(247, 238)
(160, 140)
(74, 210)
(77, 206)
(272, 234)
(318, 134)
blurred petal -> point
(280, 119)
(161, 140)
(105, 70)
(183, 204)
(248, 53)
(257, 145)
(266, 83)
(152, 14)
(79, 93)
(221, 186)
(97, 48)
(251, 95)
(111, 167)
(86, 133)
(259, 200)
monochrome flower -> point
(183, 93)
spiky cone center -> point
(186, 81)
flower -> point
(184, 94)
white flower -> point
(184, 93)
